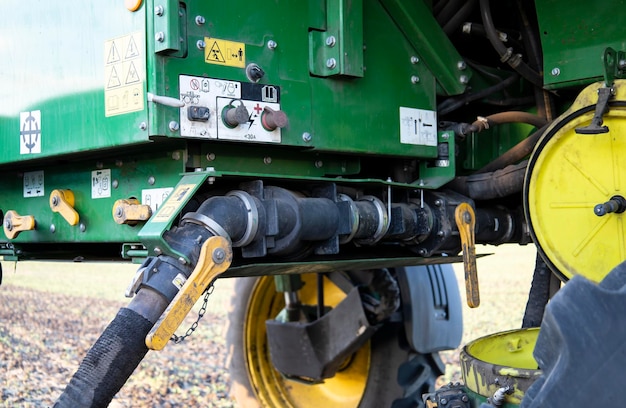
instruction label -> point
(224, 52)
(174, 203)
(30, 132)
(418, 127)
(154, 197)
(33, 184)
(101, 183)
(124, 74)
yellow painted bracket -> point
(130, 211)
(62, 202)
(15, 223)
(215, 257)
(466, 222)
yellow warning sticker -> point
(224, 52)
(124, 74)
(173, 204)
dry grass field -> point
(50, 314)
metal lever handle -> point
(466, 222)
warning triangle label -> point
(133, 75)
(114, 79)
(215, 54)
(114, 55)
(131, 50)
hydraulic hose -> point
(516, 153)
(453, 104)
(121, 347)
(507, 117)
(506, 54)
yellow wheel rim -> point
(344, 390)
(569, 174)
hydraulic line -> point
(507, 117)
(459, 17)
(453, 104)
(506, 54)
(514, 154)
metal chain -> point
(178, 339)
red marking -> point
(258, 108)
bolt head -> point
(160, 36)
(143, 126)
(267, 160)
(174, 126)
(271, 44)
(556, 71)
(461, 65)
(159, 10)
(200, 44)
(53, 228)
(464, 79)
(306, 136)
(219, 255)
(415, 79)
(200, 20)
(415, 59)
(331, 63)
(331, 41)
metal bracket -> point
(339, 49)
(466, 221)
(602, 107)
(151, 235)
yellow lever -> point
(130, 211)
(62, 201)
(466, 222)
(215, 257)
(15, 223)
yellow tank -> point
(501, 360)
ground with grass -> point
(50, 314)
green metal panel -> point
(340, 114)
(58, 66)
(574, 36)
(96, 184)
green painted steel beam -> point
(419, 26)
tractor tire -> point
(368, 380)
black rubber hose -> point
(506, 54)
(459, 17)
(448, 11)
(538, 296)
(109, 363)
(453, 104)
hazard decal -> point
(223, 52)
(124, 74)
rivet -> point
(115, 183)
(151, 180)
(53, 228)
(82, 227)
